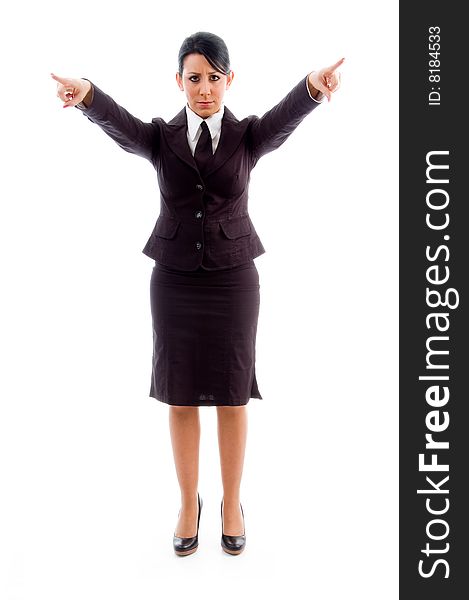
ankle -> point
(189, 499)
(230, 503)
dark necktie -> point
(203, 150)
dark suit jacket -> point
(202, 220)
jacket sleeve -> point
(271, 130)
(129, 132)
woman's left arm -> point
(271, 130)
(325, 81)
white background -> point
(89, 496)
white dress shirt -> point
(214, 123)
(194, 130)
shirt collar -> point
(213, 122)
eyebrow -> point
(194, 73)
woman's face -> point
(203, 85)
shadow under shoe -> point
(232, 544)
(187, 545)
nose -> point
(205, 87)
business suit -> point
(203, 221)
(204, 287)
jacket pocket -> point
(237, 227)
(166, 227)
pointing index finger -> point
(336, 65)
(59, 79)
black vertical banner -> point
(434, 269)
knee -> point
(183, 411)
(231, 410)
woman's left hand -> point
(327, 80)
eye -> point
(195, 78)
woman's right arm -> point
(87, 100)
(129, 132)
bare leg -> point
(232, 435)
(184, 424)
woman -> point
(204, 289)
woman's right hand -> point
(71, 91)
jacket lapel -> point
(232, 131)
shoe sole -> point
(232, 551)
(185, 552)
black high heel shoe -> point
(187, 545)
(233, 544)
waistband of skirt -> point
(201, 270)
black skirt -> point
(204, 335)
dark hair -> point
(209, 45)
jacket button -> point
(198, 245)
(198, 214)
(199, 187)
